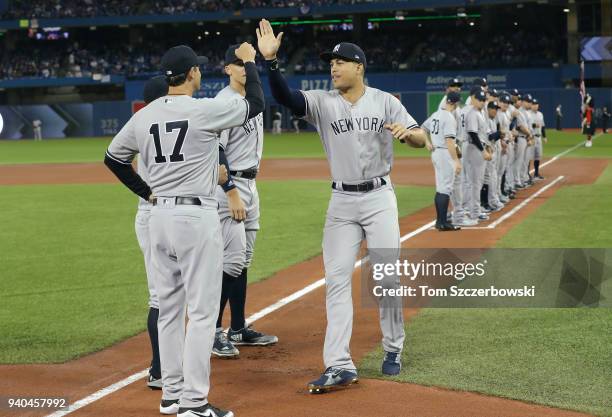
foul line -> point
(306, 290)
(524, 203)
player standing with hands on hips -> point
(357, 125)
(177, 138)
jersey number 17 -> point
(176, 155)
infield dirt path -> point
(271, 381)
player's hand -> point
(246, 52)
(429, 146)
(235, 205)
(222, 175)
(486, 155)
(267, 43)
(457, 166)
(152, 199)
(398, 131)
(545, 140)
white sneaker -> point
(466, 222)
(169, 407)
(504, 199)
(483, 216)
(588, 144)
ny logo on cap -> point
(337, 48)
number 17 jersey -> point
(177, 138)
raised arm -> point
(268, 45)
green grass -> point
(559, 358)
(561, 141)
(555, 357)
(73, 279)
(287, 145)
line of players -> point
(482, 151)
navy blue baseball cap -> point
(493, 92)
(179, 60)
(347, 51)
(482, 82)
(480, 96)
(493, 105)
(534, 101)
(527, 98)
(505, 98)
(453, 97)
(514, 92)
(155, 88)
(454, 82)
(476, 89)
(230, 55)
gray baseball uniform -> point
(474, 162)
(177, 139)
(459, 199)
(521, 148)
(538, 119)
(491, 167)
(358, 149)
(442, 126)
(243, 146)
(503, 119)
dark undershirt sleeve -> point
(126, 174)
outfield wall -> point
(419, 92)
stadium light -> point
(566, 10)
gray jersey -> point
(503, 119)
(441, 126)
(177, 138)
(461, 122)
(524, 120)
(143, 204)
(243, 145)
(538, 120)
(491, 126)
(357, 145)
(476, 123)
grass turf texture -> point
(555, 357)
(74, 279)
(287, 145)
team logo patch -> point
(337, 48)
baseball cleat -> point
(539, 177)
(223, 348)
(169, 407)
(207, 410)
(504, 199)
(154, 383)
(249, 337)
(447, 227)
(467, 223)
(588, 144)
(333, 379)
(483, 216)
(392, 364)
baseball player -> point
(277, 117)
(357, 125)
(37, 128)
(177, 139)
(525, 110)
(539, 128)
(454, 85)
(239, 214)
(506, 147)
(490, 196)
(522, 138)
(475, 156)
(442, 129)
(154, 88)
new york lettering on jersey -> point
(357, 145)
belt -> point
(440, 147)
(185, 201)
(362, 187)
(249, 174)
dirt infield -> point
(271, 381)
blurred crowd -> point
(26, 9)
(517, 49)
(385, 52)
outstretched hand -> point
(267, 43)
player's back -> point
(176, 137)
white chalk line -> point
(299, 294)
